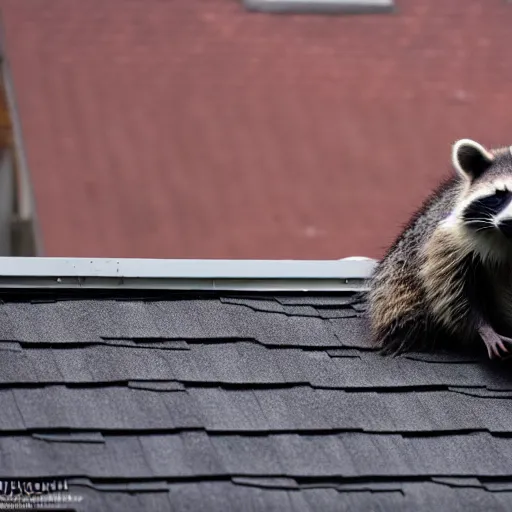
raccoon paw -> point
(494, 342)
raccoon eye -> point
(499, 199)
(486, 207)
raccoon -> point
(448, 275)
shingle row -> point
(94, 320)
(167, 406)
(197, 454)
(241, 363)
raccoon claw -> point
(494, 342)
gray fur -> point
(428, 286)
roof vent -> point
(320, 6)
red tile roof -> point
(193, 128)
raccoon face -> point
(490, 212)
(486, 204)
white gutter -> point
(348, 274)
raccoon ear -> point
(470, 158)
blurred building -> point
(199, 129)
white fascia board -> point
(248, 275)
(320, 6)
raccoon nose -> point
(505, 226)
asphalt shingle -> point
(231, 401)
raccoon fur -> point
(448, 275)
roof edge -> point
(348, 274)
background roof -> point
(195, 402)
(197, 129)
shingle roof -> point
(244, 402)
(193, 128)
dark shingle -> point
(257, 404)
(229, 410)
(299, 408)
(188, 497)
(313, 456)
(193, 319)
(226, 496)
(106, 408)
(109, 364)
(248, 455)
(10, 416)
(271, 306)
(315, 300)
(29, 457)
(117, 501)
(351, 332)
(300, 311)
(37, 322)
(186, 454)
(337, 313)
(296, 408)
(275, 329)
(327, 499)
(241, 362)
(220, 496)
(17, 367)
